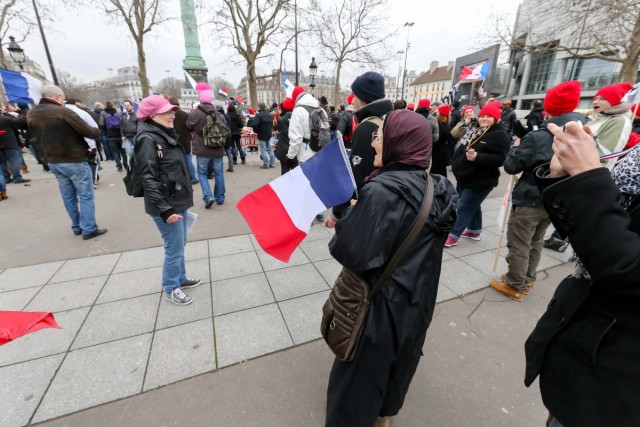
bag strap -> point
(374, 119)
(427, 202)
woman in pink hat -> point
(160, 161)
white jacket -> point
(299, 129)
(88, 119)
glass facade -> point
(543, 72)
(592, 73)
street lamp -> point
(313, 70)
(16, 52)
(406, 52)
(400, 52)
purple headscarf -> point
(406, 139)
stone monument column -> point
(193, 64)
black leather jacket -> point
(165, 177)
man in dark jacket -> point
(101, 142)
(262, 124)
(61, 133)
(129, 127)
(282, 126)
(10, 148)
(529, 221)
(371, 106)
(535, 117)
(424, 109)
(184, 137)
(207, 155)
(456, 114)
(509, 118)
(237, 123)
(344, 130)
(586, 346)
(111, 124)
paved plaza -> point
(120, 338)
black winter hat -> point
(368, 86)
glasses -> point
(376, 135)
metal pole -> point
(46, 46)
(295, 14)
(406, 52)
(399, 71)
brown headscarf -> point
(406, 139)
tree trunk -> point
(629, 70)
(142, 65)
(336, 87)
(251, 79)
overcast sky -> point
(86, 43)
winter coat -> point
(509, 120)
(166, 179)
(262, 124)
(282, 126)
(586, 346)
(535, 118)
(229, 142)
(533, 151)
(60, 132)
(366, 238)
(440, 150)
(237, 122)
(362, 154)
(9, 127)
(611, 129)
(111, 133)
(129, 124)
(345, 126)
(435, 130)
(333, 120)
(455, 117)
(483, 172)
(180, 126)
(195, 124)
(299, 132)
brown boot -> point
(3, 195)
(24, 168)
(506, 290)
(381, 422)
(527, 285)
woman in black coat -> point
(440, 153)
(160, 161)
(373, 385)
(237, 123)
(586, 347)
(282, 148)
(476, 166)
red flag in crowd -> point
(14, 324)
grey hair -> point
(49, 91)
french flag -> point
(281, 212)
(223, 92)
(14, 324)
(21, 87)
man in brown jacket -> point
(61, 133)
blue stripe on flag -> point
(329, 175)
(16, 86)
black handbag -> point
(344, 314)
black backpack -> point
(133, 180)
(319, 128)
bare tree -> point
(579, 31)
(170, 86)
(16, 19)
(71, 86)
(250, 25)
(140, 17)
(351, 31)
(218, 83)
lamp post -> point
(295, 16)
(399, 95)
(16, 52)
(313, 70)
(406, 52)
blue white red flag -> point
(281, 212)
(21, 87)
(288, 86)
(633, 96)
(223, 92)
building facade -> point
(433, 84)
(128, 84)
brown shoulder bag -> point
(345, 312)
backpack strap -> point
(375, 119)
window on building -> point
(592, 73)
(543, 72)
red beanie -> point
(410, 107)
(288, 104)
(468, 107)
(296, 92)
(424, 103)
(563, 98)
(350, 99)
(492, 109)
(444, 109)
(252, 111)
(614, 93)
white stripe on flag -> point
(298, 198)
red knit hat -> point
(563, 98)
(288, 104)
(424, 103)
(296, 92)
(468, 107)
(614, 93)
(350, 99)
(252, 111)
(410, 107)
(444, 110)
(492, 109)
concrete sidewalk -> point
(120, 338)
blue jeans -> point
(13, 159)
(469, 211)
(76, 186)
(264, 147)
(128, 146)
(218, 176)
(106, 146)
(174, 236)
(118, 152)
(3, 182)
(192, 169)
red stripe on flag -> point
(270, 223)
(14, 324)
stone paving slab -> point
(181, 352)
(302, 316)
(241, 293)
(316, 250)
(26, 277)
(329, 269)
(237, 265)
(22, 386)
(142, 258)
(96, 375)
(269, 263)
(230, 245)
(131, 284)
(82, 268)
(16, 300)
(297, 281)
(67, 295)
(172, 315)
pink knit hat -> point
(154, 105)
(204, 92)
